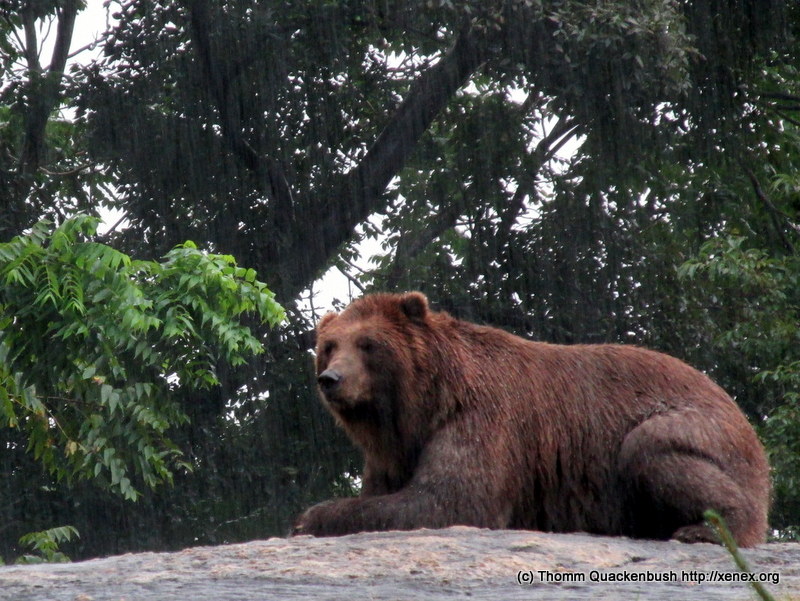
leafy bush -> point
(752, 305)
(92, 343)
(45, 545)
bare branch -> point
(74, 171)
(781, 96)
(411, 244)
(353, 280)
(774, 212)
(66, 25)
(31, 44)
(113, 228)
(45, 88)
(219, 82)
(89, 46)
(361, 192)
(545, 150)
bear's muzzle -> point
(329, 381)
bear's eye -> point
(366, 344)
(328, 347)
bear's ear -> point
(326, 319)
(414, 305)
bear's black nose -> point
(329, 379)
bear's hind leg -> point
(680, 488)
(669, 485)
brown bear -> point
(467, 424)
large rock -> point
(423, 564)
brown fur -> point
(464, 424)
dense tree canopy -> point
(569, 170)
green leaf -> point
(105, 393)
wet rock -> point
(424, 564)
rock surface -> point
(424, 564)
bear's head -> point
(374, 366)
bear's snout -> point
(329, 380)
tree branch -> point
(66, 25)
(45, 88)
(361, 192)
(31, 44)
(266, 169)
(774, 212)
(413, 243)
(546, 149)
(352, 279)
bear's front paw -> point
(696, 533)
(318, 520)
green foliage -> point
(752, 300)
(751, 305)
(93, 343)
(45, 544)
(44, 163)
